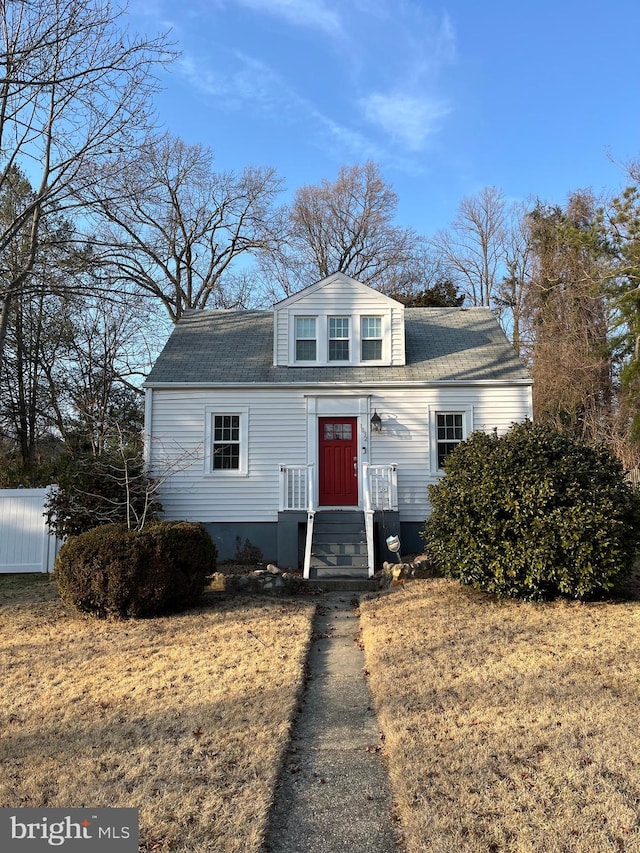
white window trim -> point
(385, 333)
(355, 339)
(349, 339)
(243, 470)
(295, 338)
(467, 429)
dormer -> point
(338, 322)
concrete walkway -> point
(334, 793)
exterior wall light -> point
(376, 422)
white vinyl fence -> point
(633, 476)
(26, 544)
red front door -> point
(338, 455)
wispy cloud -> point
(249, 81)
(383, 100)
(406, 118)
(404, 99)
(254, 84)
(302, 13)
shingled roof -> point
(236, 348)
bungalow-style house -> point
(313, 429)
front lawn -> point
(185, 717)
(509, 726)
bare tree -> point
(75, 86)
(345, 226)
(34, 332)
(92, 379)
(172, 227)
(473, 249)
(511, 293)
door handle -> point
(355, 466)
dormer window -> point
(338, 339)
(371, 338)
(306, 339)
(340, 323)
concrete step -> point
(342, 584)
(337, 516)
(338, 536)
(342, 548)
(361, 572)
(338, 531)
(356, 561)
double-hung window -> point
(226, 443)
(226, 439)
(371, 338)
(334, 340)
(338, 339)
(449, 434)
(306, 339)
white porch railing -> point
(297, 490)
(381, 482)
(295, 481)
(311, 514)
(368, 519)
(297, 487)
(379, 492)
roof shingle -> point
(236, 348)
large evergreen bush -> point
(113, 571)
(533, 514)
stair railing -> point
(311, 514)
(368, 518)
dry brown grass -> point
(184, 717)
(509, 726)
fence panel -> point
(25, 542)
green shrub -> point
(533, 514)
(113, 571)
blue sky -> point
(537, 98)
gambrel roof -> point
(212, 348)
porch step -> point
(336, 528)
(336, 538)
(343, 584)
(319, 561)
(339, 546)
(339, 572)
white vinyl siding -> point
(278, 432)
(353, 302)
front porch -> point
(338, 541)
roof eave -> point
(405, 383)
